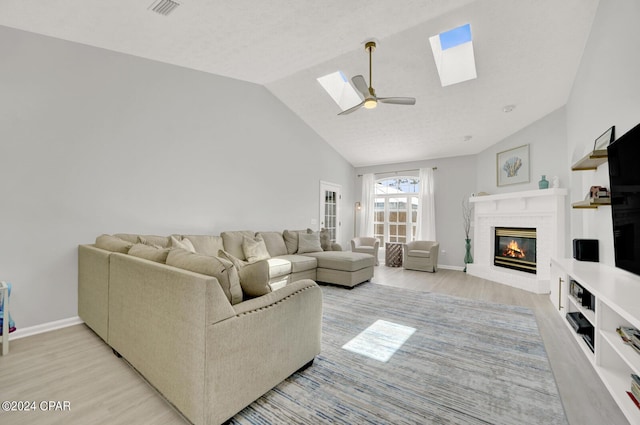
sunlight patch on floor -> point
(380, 341)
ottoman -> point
(343, 268)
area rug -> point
(467, 362)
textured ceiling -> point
(527, 53)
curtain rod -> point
(398, 171)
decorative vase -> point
(467, 256)
(543, 183)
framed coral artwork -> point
(512, 166)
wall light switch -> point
(314, 222)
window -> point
(395, 213)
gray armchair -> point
(420, 255)
(366, 245)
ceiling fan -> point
(370, 99)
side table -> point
(393, 254)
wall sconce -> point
(358, 206)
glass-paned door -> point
(330, 199)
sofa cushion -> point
(150, 252)
(205, 244)
(274, 242)
(343, 260)
(219, 268)
(113, 244)
(233, 242)
(419, 253)
(183, 244)
(254, 249)
(291, 239)
(278, 267)
(309, 242)
(161, 241)
(300, 263)
(129, 237)
(254, 277)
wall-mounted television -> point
(624, 176)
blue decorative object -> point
(12, 324)
(543, 183)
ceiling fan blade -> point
(398, 100)
(361, 85)
(352, 109)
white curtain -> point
(426, 226)
(368, 199)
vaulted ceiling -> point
(527, 53)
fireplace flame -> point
(513, 250)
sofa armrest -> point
(274, 297)
(93, 288)
(158, 315)
(270, 338)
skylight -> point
(453, 53)
(340, 90)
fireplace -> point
(543, 210)
(515, 248)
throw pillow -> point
(254, 249)
(221, 269)
(129, 237)
(274, 242)
(183, 244)
(148, 252)
(254, 277)
(309, 243)
(325, 240)
(291, 239)
(161, 241)
(113, 244)
(232, 241)
(205, 244)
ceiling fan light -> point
(370, 103)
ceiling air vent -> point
(164, 7)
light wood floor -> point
(75, 365)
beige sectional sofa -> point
(211, 329)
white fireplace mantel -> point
(543, 210)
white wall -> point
(454, 180)
(547, 140)
(606, 92)
(93, 141)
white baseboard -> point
(45, 327)
(458, 268)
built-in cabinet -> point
(591, 161)
(615, 302)
(559, 288)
